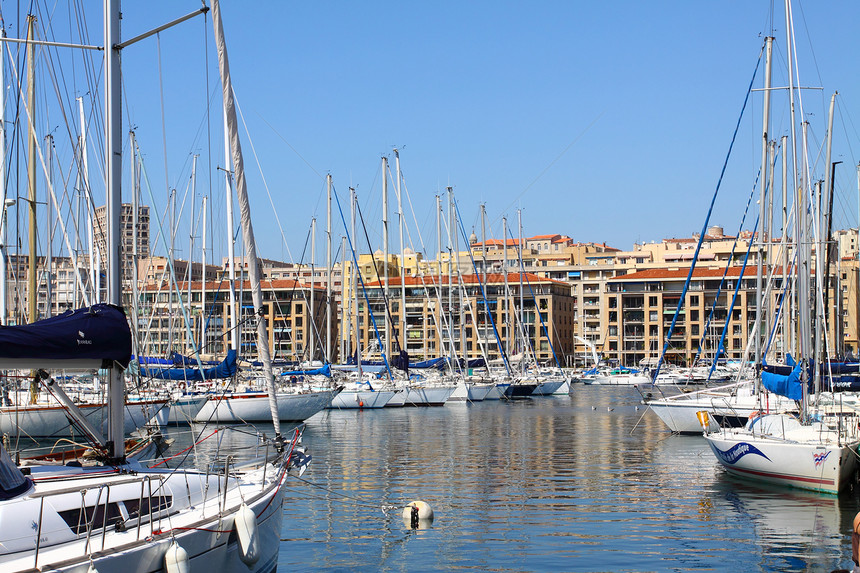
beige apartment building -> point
(585, 279)
(467, 317)
(593, 269)
(167, 321)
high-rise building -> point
(128, 235)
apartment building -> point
(168, 321)
(129, 235)
(467, 316)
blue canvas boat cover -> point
(153, 360)
(225, 369)
(98, 332)
(180, 361)
(324, 371)
(784, 385)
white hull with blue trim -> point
(778, 449)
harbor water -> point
(587, 482)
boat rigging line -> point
(708, 216)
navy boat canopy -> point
(224, 369)
(95, 334)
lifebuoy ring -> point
(182, 386)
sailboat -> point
(118, 515)
(817, 448)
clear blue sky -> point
(608, 122)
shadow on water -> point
(586, 482)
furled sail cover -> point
(324, 371)
(225, 369)
(788, 386)
(98, 332)
(12, 481)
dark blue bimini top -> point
(99, 332)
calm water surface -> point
(580, 483)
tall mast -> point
(203, 279)
(171, 265)
(454, 355)
(771, 161)
(245, 211)
(191, 239)
(508, 300)
(345, 309)
(95, 250)
(521, 270)
(763, 191)
(113, 172)
(387, 329)
(439, 239)
(439, 319)
(484, 264)
(3, 253)
(84, 197)
(328, 271)
(460, 303)
(49, 218)
(231, 245)
(803, 273)
(402, 259)
(32, 295)
(788, 312)
(135, 208)
(353, 287)
(312, 326)
(826, 215)
(796, 191)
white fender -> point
(92, 568)
(249, 540)
(176, 559)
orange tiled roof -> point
(655, 274)
(224, 285)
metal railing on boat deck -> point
(101, 515)
(153, 503)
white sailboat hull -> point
(361, 399)
(470, 392)
(617, 379)
(254, 407)
(183, 408)
(800, 459)
(564, 389)
(50, 421)
(548, 387)
(204, 535)
(428, 395)
(398, 400)
(727, 406)
(497, 392)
